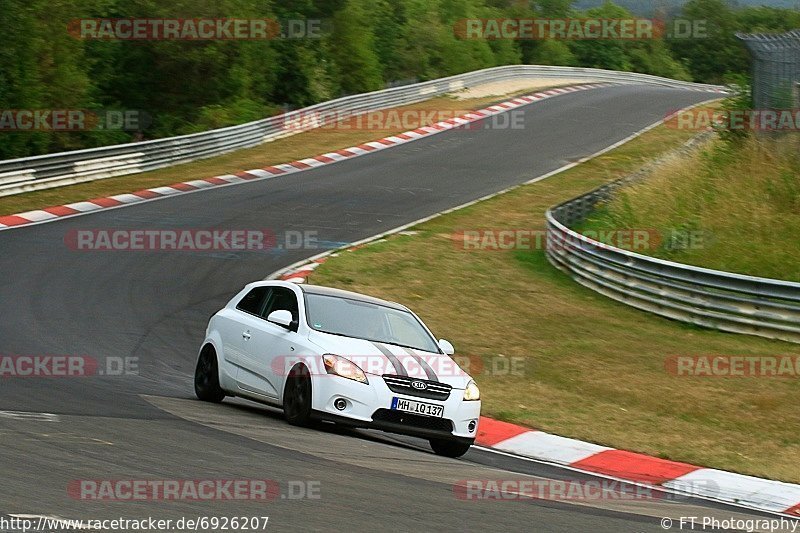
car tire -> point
(449, 448)
(206, 377)
(297, 397)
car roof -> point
(339, 293)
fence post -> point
(776, 68)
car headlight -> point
(339, 366)
(472, 392)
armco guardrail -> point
(709, 298)
(53, 170)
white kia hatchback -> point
(325, 354)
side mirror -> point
(281, 318)
(446, 347)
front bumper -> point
(368, 406)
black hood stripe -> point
(398, 366)
(424, 364)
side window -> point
(253, 301)
(282, 299)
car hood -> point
(382, 358)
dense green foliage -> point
(188, 86)
(733, 207)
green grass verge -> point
(733, 208)
(594, 369)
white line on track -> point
(658, 488)
(23, 415)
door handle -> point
(246, 335)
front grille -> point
(433, 390)
(412, 420)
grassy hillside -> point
(739, 205)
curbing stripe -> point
(166, 191)
(52, 213)
(311, 162)
(37, 215)
(128, 198)
(84, 207)
(756, 492)
(553, 448)
(258, 173)
(274, 170)
(334, 156)
(105, 202)
(745, 491)
(213, 181)
(200, 184)
(794, 511)
(377, 145)
(147, 194)
(62, 210)
(287, 168)
(491, 431)
(634, 466)
(245, 175)
(300, 274)
(10, 221)
(183, 187)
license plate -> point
(419, 408)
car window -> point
(253, 301)
(365, 320)
(402, 326)
(282, 299)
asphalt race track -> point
(153, 306)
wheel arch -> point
(226, 380)
(297, 365)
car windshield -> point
(364, 320)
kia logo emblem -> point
(419, 385)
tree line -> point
(361, 45)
